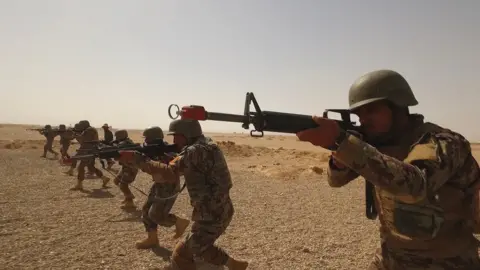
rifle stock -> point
(261, 120)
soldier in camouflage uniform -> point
(50, 135)
(156, 210)
(108, 139)
(88, 139)
(77, 131)
(208, 181)
(424, 176)
(66, 137)
(127, 175)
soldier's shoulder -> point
(448, 138)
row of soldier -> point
(212, 208)
(425, 178)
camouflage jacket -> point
(66, 137)
(50, 134)
(419, 187)
(207, 177)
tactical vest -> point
(437, 227)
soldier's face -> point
(179, 140)
(375, 118)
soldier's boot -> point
(180, 226)
(128, 203)
(233, 264)
(78, 186)
(105, 181)
(150, 242)
(70, 171)
(182, 258)
(56, 155)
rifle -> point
(262, 120)
(35, 129)
(274, 122)
(110, 152)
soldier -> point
(89, 139)
(66, 137)
(50, 135)
(77, 131)
(156, 210)
(208, 182)
(424, 175)
(127, 175)
(108, 139)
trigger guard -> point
(170, 111)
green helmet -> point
(381, 85)
(90, 134)
(47, 127)
(187, 127)
(153, 133)
(121, 134)
(62, 127)
(84, 124)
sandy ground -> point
(287, 217)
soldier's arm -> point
(430, 163)
(339, 176)
(169, 172)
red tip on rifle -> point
(194, 112)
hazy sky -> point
(123, 62)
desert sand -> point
(287, 217)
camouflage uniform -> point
(108, 139)
(66, 137)
(77, 135)
(127, 174)
(156, 210)
(50, 135)
(89, 139)
(208, 181)
(422, 180)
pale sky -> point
(123, 62)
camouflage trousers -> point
(91, 169)
(199, 244)
(48, 147)
(157, 212)
(124, 178)
(387, 260)
(90, 164)
(64, 149)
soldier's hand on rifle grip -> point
(325, 135)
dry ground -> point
(287, 217)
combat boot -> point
(105, 181)
(78, 186)
(233, 264)
(70, 171)
(128, 203)
(150, 242)
(180, 226)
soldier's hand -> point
(324, 135)
(129, 157)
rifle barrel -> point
(226, 117)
